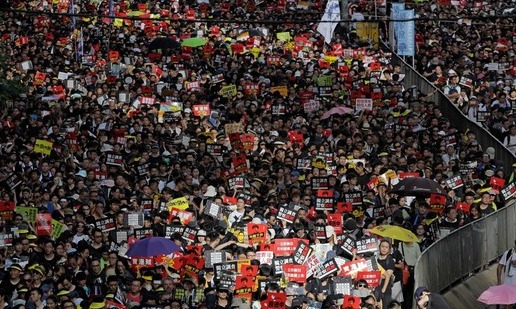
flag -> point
(71, 10)
(111, 10)
(80, 47)
(329, 20)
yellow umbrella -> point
(395, 232)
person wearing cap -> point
(428, 300)
(10, 283)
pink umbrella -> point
(339, 110)
(504, 294)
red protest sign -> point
(352, 268)
(249, 270)
(201, 110)
(113, 55)
(39, 78)
(234, 139)
(463, 206)
(228, 200)
(351, 302)
(139, 262)
(372, 277)
(344, 207)
(247, 141)
(294, 272)
(257, 233)
(335, 220)
(239, 163)
(274, 301)
(497, 183)
(296, 137)
(286, 246)
(403, 175)
(267, 247)
(43, 224)
(244, 285)
(437, 203)
(193, 265)
(237, 48)
(6, 209)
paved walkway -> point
(464, 296)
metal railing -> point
(454, 257)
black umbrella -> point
(164, 43)
(418, 186)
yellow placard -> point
(281, 89)
(43, 147)
(330, 59)
(283, 36)
(57, 228)
(368, 32)
(228, 91)
(118, 22)
(255, 51)
(180, 203)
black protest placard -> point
(324, 203)
(246, 197)
(147, 203)
(114, 159)
(142, 233)
(355, 198)
(105, 224)
(212, 257)
(227, 280)
(237, 182)
(214, 149)
(349, 244)
(320, 232)
(189, 234)
(342, 285)
(220, 268)
(304, 164)
(13, 180)
(319, 183)
(277, 264)
(454, 182)
(212, 209)
(133, 219)
(302, 252)
(119, 235)
(327, 268)
(367, 244)
(287, 213)
(171, 229)
(509, 191)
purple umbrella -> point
(152, 246)
(339, 110)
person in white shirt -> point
(507, 267)
(238, 213)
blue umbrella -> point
(152, 246)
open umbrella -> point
(504, 294)
(395, 232)
(339, 110)
(417, 186)
(152, 246)
(244, 35)
(164, 43)
(194, 42)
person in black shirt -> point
(387, 262)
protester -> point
(262, 145)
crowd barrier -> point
(455, 257)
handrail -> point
(454, 257)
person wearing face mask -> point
(320, 223)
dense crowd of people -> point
(264, 155)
